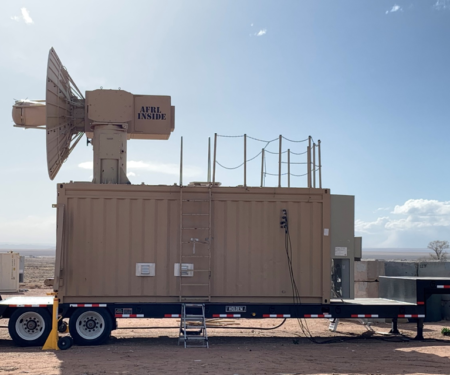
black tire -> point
(30, 326)
(90, 326)
(65, 343)
(62, 326)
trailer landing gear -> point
(394, 330)
(65, 342)
(53, 341)
(419, 335)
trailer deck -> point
(401, 297)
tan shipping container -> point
(105, 231)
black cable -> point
(297, 301)
(290, 140)
(256, 328)
(177, 327)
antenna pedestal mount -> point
(108, 117)
(110, 153)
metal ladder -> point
(193, 326)
(195, 284)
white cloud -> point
(370, 226)
(382, 209)
(86, 165)
(423, 207)
(172, 169)
(261, 32)
(394, 9)
(25, 17)
(131, 174)
(416, 222)
(442, 5)
(164, 168)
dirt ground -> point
(37, 269)
(282, 351)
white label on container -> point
(340, 251)
(326, 231)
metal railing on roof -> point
(313, 169)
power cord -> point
(297, 299)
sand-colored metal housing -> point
(107, 235)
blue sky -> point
(371, 80)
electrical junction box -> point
(187, 269)
(145, 269)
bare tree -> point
(439, 247)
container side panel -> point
(109, 229)
(149, 243)
(316, 254)
(110, 251)
(136, 246)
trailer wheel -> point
(90, 327)
(30, 327)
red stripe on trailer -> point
(129, 315)
(88, 305)
(226, 315)
(443, 286)
(411, 316)
(171, 315)
(364, 315)
(28, 305)
(317, 316)
(276, 315)
(421, 303)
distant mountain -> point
(367, 253)
(15, 246)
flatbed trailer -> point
(402, 297)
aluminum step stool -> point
(193, 326)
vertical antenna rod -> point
(289, 167)
(245, 160)
(214, 161)
(309, 161)
(279, 165)
(209, 159)
(320, 167)
(314, 165)
(181, 163)
(262, 167)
